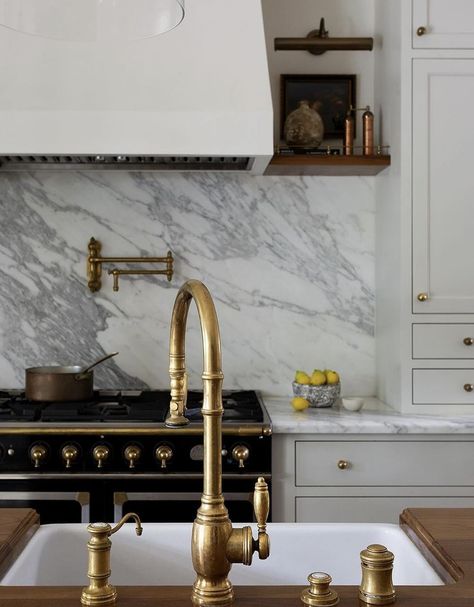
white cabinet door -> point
(447, 24)
(443, 185)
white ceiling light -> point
(92, 20)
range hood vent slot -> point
(126, 163)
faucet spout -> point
(215, 544)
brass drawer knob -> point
(319, 594)
(421, 31)
(469, 387)
(422, 297)
(468, 341)
(343, 464)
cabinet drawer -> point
(443, 340)
(443, 386)
(384, 463)
(368, 509)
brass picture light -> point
(318, 42)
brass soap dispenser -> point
(99, 591)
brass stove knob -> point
(163, 454)
(38, 454)
(319, 594)
(100, 454)
(132, 454)
(240, 453)
(69, 454)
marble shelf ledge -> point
(375, 418)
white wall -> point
(344, 18)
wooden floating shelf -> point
(301, 164)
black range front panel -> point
(84, 493)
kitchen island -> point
(445, 536)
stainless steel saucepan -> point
(61, 384)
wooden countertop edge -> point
(445, 566)
(459, 593)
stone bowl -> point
(319, 397)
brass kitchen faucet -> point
(215, 544)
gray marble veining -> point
(289, 261)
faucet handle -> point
(261, 503)
(261, 506)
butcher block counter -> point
(445, 536)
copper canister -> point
(368, 132)
(349, 134)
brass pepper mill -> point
(319, 594)
(99, 591)
(376, 587)
(368, 132)
(349, 134)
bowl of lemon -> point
(321, 389)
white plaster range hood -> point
(195, 98)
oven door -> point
(52, 506)
(178, 507)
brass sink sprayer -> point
(215, 544)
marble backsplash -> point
(289, 262)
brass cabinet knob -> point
(163, 454)
(319, 594)
(100, 454)
(38, 454)
(132, 454)
(69, 454)
(240, 453)
(343, 464)
(422, 297)
(421, 31)
(468, 341)
(469, 387)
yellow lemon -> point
(318, 378)
(302, 378)
(299, 403)
(332, 377)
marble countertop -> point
(375, 418)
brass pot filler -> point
(215, 544)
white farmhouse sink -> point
(57, 556)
